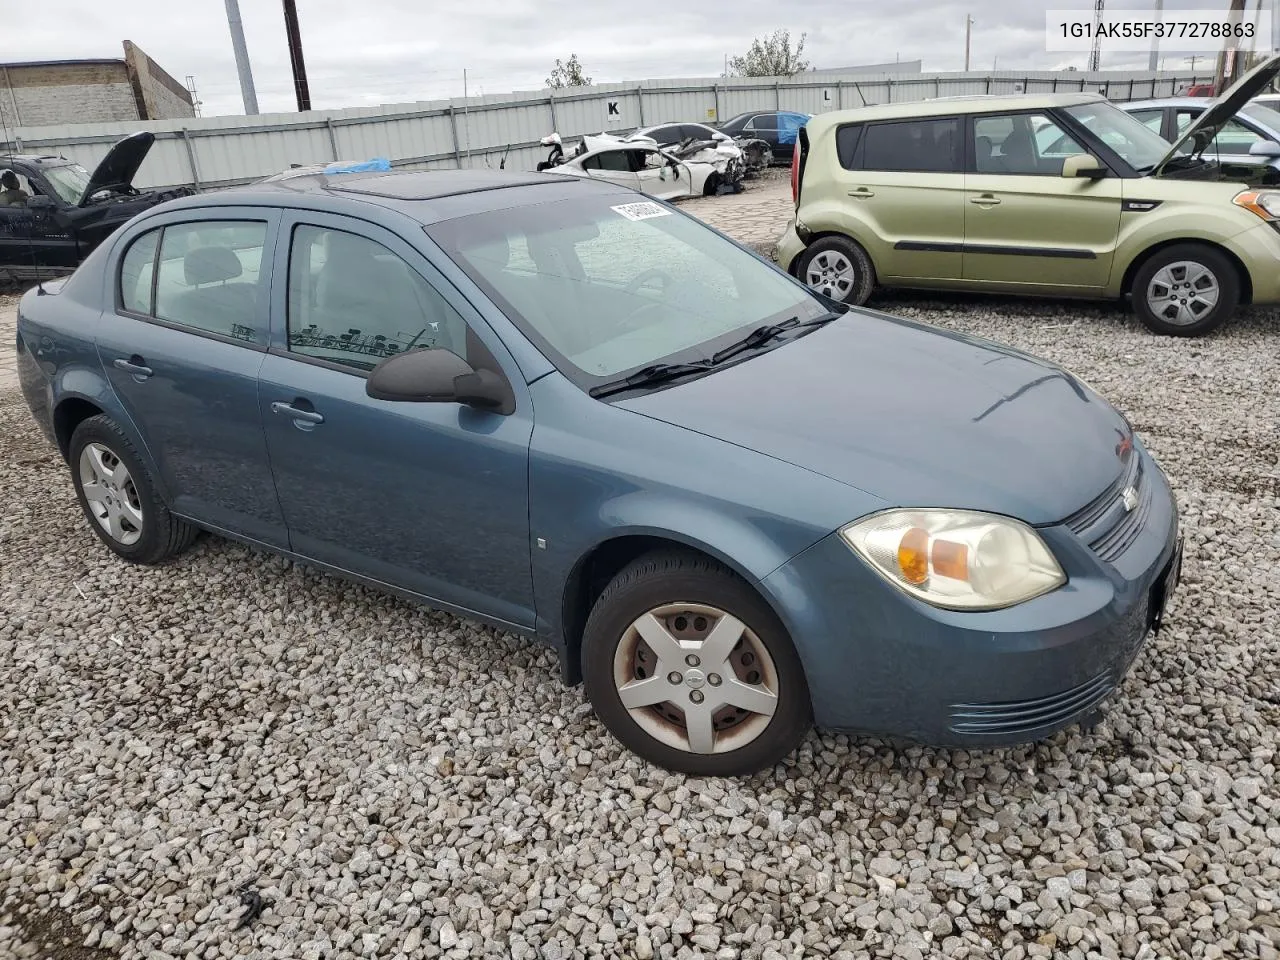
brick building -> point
(55, 92)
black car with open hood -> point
(53, 211)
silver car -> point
(1252, 136)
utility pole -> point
(1228, 60)
(295, 56)
(968, 34)
(1154, 63)
(247, 93)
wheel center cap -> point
(695, 678)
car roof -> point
(427, 196)
(1202, 102)
(950, 106)
(38, 160)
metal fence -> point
(214, 152)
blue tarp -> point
(788, 124)
(377, 165)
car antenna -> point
(31, 245)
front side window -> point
(613, 161)
(916, 146)
(611, 284)
(1025, 144)
(353, 302)
(209, 277)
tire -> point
(841, 270)
(713, 183)
(685, 597)
(124, 510)
(1206, 271)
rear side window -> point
(915, 146)
(847, 141)
(210, 277)
(137, 268)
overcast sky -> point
(366, 52)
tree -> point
(770, 56)
(568, 74)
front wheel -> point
(1186, 290)
(838, 268)
(689, 668)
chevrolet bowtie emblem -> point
(1129, 498)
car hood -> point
(914, 416)
(1202, 130)
(120, 165)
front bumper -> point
(881, 662)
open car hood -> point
(120, 165)
(1202, 131)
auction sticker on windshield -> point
(641, 211)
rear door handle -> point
(135, 365)
(862, 193)
(986, 200)
(299, 415)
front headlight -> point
(1264, 203)
(957, 559)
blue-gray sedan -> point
(733, 507)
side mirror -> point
(1265, 148)
(41, 203)
(1083, 165)
(439, 376)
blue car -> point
(735, 508)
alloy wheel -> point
(696, 678)
(110, 493)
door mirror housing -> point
(41, 203)
(1265, 148)
(1083, 165)
(437, 375)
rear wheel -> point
(689, 668)
(838, 268)
(119, 498)
(1186, 290)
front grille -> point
(1104, 523)
(1015, 717)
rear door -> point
(1025, 225)
(182, 346)
(902, 195)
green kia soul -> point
(1055, 195)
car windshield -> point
(1137, 144)
(610, 284)
(69, 181)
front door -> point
(35, 236)
(902, 196)
(427, 497)
(1025, 225)
(659, 176)
(182, 347)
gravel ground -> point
(395, 782)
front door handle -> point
(299, 415)
(862, 193)
(986, 200)
(135, 366)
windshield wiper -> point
(654, 373)
(770, 331)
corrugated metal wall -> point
(223, 151)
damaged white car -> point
(639, 163)
(675, 137)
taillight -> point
(795, 172)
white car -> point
(639, 163)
